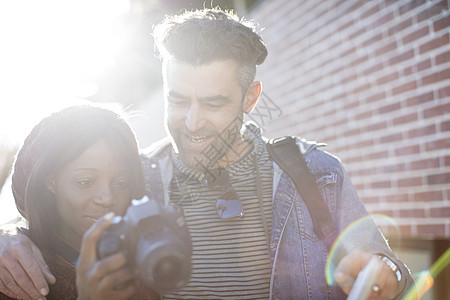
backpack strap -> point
(284, 151)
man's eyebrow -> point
(176, 95)
(218, 98)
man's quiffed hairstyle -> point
(204, 36)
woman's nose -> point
(105, 196)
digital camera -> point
(156, 240)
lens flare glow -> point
(345, 243)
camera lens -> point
(164, 263)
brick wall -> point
(372, 80)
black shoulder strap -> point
(286, 154)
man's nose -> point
(105, 196)
(194, 118)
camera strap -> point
(285, 152)
(66, 252)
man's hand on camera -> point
(23, 271)
(385, 285)
(99, 279)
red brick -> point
(370, 199)
(380, 184)
(397, 198)
(416, 35)
(444, 57)
(387, 48)
(398, 27)
(404, 88)
(423, 131)
(376, 155)
(345, 25)
(411, 213)
(410, 5)
(376, 126)
(357, 33)
(420, 99)
(436, 145)
(412, 117)
(349, 78)
(359, 187)
(436, 77)
(444, 92)
(393, 168)
(396, 137)
(436, 43)
(370, 11)
(408, 150)
(447, 161)
(428, 196)
(363, 115)
(431, 230)
(376, 97)
(359, 60)
(425, 164)
(389, 108)
(416, 181)
(383, 20)
(432, 11)
(443, 178)
(440, 24)
(363, 144)
(401, 57)
(353, 131)
(369, 171)
(373, 69)
(351, 105)
(361, 88)
(437, 110)
(423, 65)
(387, 78)
(354, 159)
(445, 126)
(440, 212)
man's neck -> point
(239, 150)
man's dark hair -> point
(204, 36)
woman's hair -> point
(57, 140)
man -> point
(252, 232)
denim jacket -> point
(298, 256)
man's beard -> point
(221, 148)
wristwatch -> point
(392, 266)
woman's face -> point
(87, 188)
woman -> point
(74, 167)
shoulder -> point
(157, 149)
(317, 158)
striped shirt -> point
(230, 256)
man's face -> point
(204, 110)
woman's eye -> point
(121, 184)
(85, 182)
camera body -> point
(156, 240)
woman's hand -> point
(98, 279)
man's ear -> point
(50, 183)
(252, 96)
